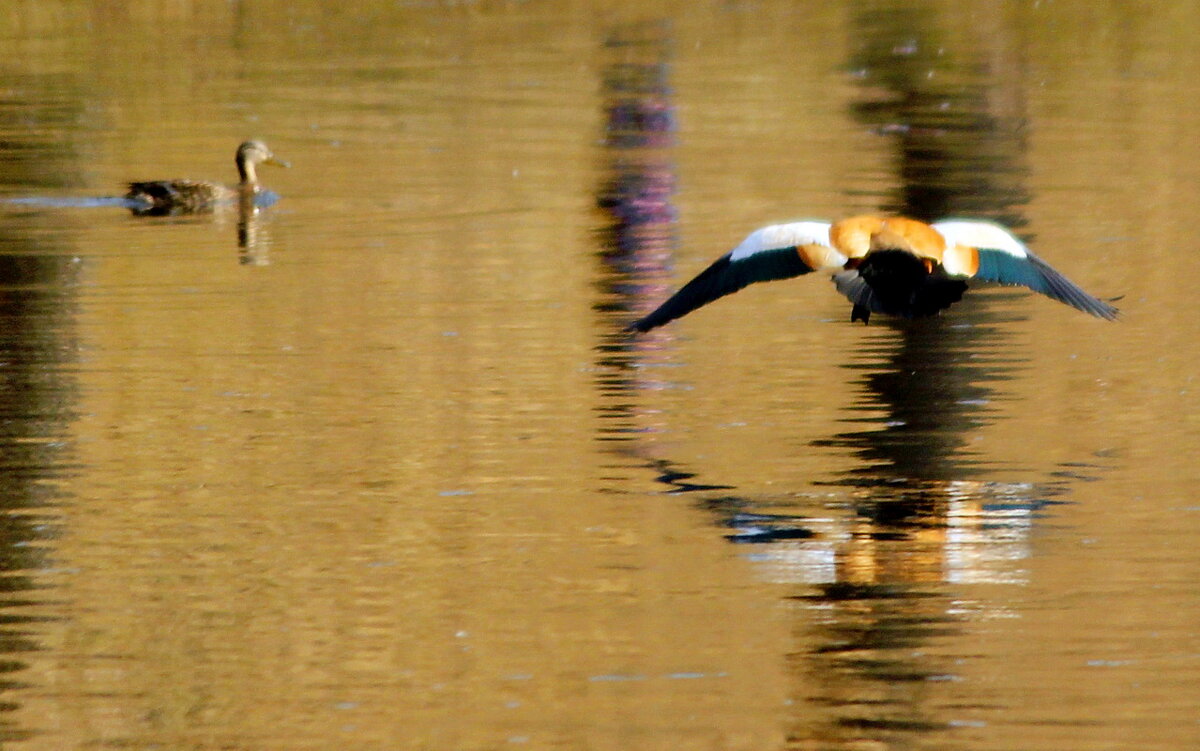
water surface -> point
(376, 467)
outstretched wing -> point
(780, 251)
(1000, 257)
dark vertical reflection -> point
(637, 235)
(37, 394)
(252, 246)
(958, 150)
(952, 117)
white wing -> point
(779, 236)
(977, 234)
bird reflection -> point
(877, 560)
(917, 493)
(253, 244)
(958, 152)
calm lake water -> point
(376, 468)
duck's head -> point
(252, 153)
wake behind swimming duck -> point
(168, 197)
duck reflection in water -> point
(898, 266)
(171, 197)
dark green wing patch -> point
(1034, 273)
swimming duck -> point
(198, 196)
(893, 265)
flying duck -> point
(893, 265)
(158, 197)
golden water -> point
(375, 468)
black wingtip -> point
(1108, 312)
(664, 314)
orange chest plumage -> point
(859, 235)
